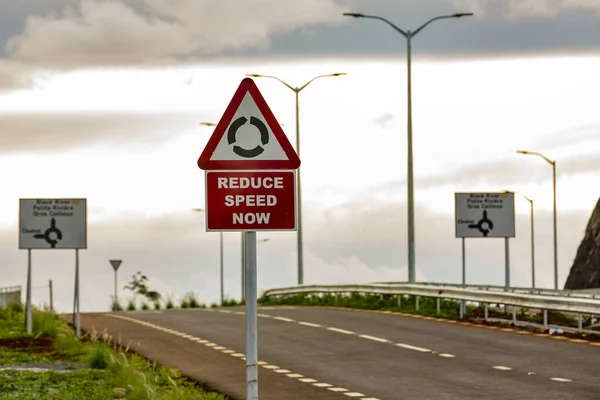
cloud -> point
(14, 75)
(507, 171)
(68, 130)
(384, 119)
(516, 9)
(115, 33)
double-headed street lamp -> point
(553, 164)
(297, 90)
(408, 34)
(221, 273)
(532, 234)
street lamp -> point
(553, 164)
(297, 91)
(408, 34)
(243, 275)
(532, 235)
(220, 254)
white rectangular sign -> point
(52, 223)
(484, 214)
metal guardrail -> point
(580, 304)
(9, 295)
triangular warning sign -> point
(115, 264)
(248, 136)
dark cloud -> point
(354, 242)
(42, 132)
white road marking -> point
(374, 338)
(237, 355)
(307, 380)
(210, 344)
(220, 348)
(502, 368)
(239, 313)
(228, 351)
(446, 355)
(560, 380)
(294, 376)
(321, 384)
(283, 371)
(337, 389)
(310, 324)
(354, 394)
(415, 348)
(226, 311)
(340, 331)
(270, 366)
(284, 319)
(263, 315)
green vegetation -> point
(407, 304)
(90, 368)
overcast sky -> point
(102, 100)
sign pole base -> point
(251, 317)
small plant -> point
(157, 305)
(169, 304)
(145, 306)
(184, 303)
(192, 300)
(131, 304)
(98, 357)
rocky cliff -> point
(585, 272)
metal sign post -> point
(77, 292)
(249, 188)
(463, 308)
(29, 312)
(251, 317)
(115, 264)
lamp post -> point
(408, 35)
(221, 269)
(297, 90)
(532, 234)
(244, 265)
(553, 164)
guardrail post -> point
(461, 310)
(515, 315)
(437, 306)
(545, 318)
(417, 303)
(399, 301)
(485, 312)
(579, 322)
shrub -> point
(131, 305)
(157, 305)
(145, 306)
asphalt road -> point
(374, 356)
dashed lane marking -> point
(340, 330)
(502, 368)
(560, 380)
(310, 324)
(411, 347)
(374, 338)
(264, 364)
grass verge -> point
(89, 368)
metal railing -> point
(571, 303)
(10, 295)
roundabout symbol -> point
(482, 221)
(46, 235)
(264, 137)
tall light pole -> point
(553, 164)
(244, 265)
(221, 269)
(532, 234)
(408, 35)
(297, 90)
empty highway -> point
(316, 353)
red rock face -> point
(585, 272)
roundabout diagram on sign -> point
(52, 235)
(484, 225)
(232, 137)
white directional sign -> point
(52, 223)
(484, 215)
